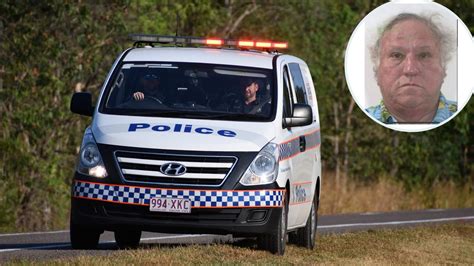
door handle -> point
(302, 143)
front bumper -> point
(238, 212)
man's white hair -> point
(444, 38)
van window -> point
(298, 83)
(287, 98)
(308, 81)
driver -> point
(251, 104)
(150, 84)
(247, 102)
(249, 91)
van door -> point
(301, 160)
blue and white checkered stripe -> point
(289, 149)
(199, 198)
(313, 139)
(292, 147)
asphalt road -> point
(55, 244)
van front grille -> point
(174, 169)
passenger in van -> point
(252, 104)
(150, 89)
(249, 102)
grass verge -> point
(444, 244)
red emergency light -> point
(246, 43)
(214, 42)
(260, 44)
(263, 44)
(280, 45)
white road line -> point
(398, 222)
(35, 233)
(103, 242)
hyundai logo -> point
(173, 169)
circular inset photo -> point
(409, 64)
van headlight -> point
(264, 168)
(89, 161)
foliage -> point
(49, 49)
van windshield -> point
(189, 90)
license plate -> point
(160, 204)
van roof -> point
(220, 56)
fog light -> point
(257, 216)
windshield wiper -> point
(190, 114)
(236, 116)
(166, 113)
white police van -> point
(222, 138)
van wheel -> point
(84, 237)
(306, 236)
(276, 242)
(126, 239)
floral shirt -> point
(446, 109)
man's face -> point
(250, 91)
(410, 72)
(150, 85)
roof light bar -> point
(246, 43)
(214, 42)
(263, 44)
(197, 41)
(151, 38)
(143, 38)
(166, 39)
(281, 45)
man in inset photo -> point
(410, 58)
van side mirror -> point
(302, 116)
(81, 103)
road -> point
(55, 244)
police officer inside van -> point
(250, 102)
(150, 89)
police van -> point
(199, 135)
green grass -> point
(445, 244)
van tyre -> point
(306, 236)
(84, 237)
(276, 242)
(127, 239)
